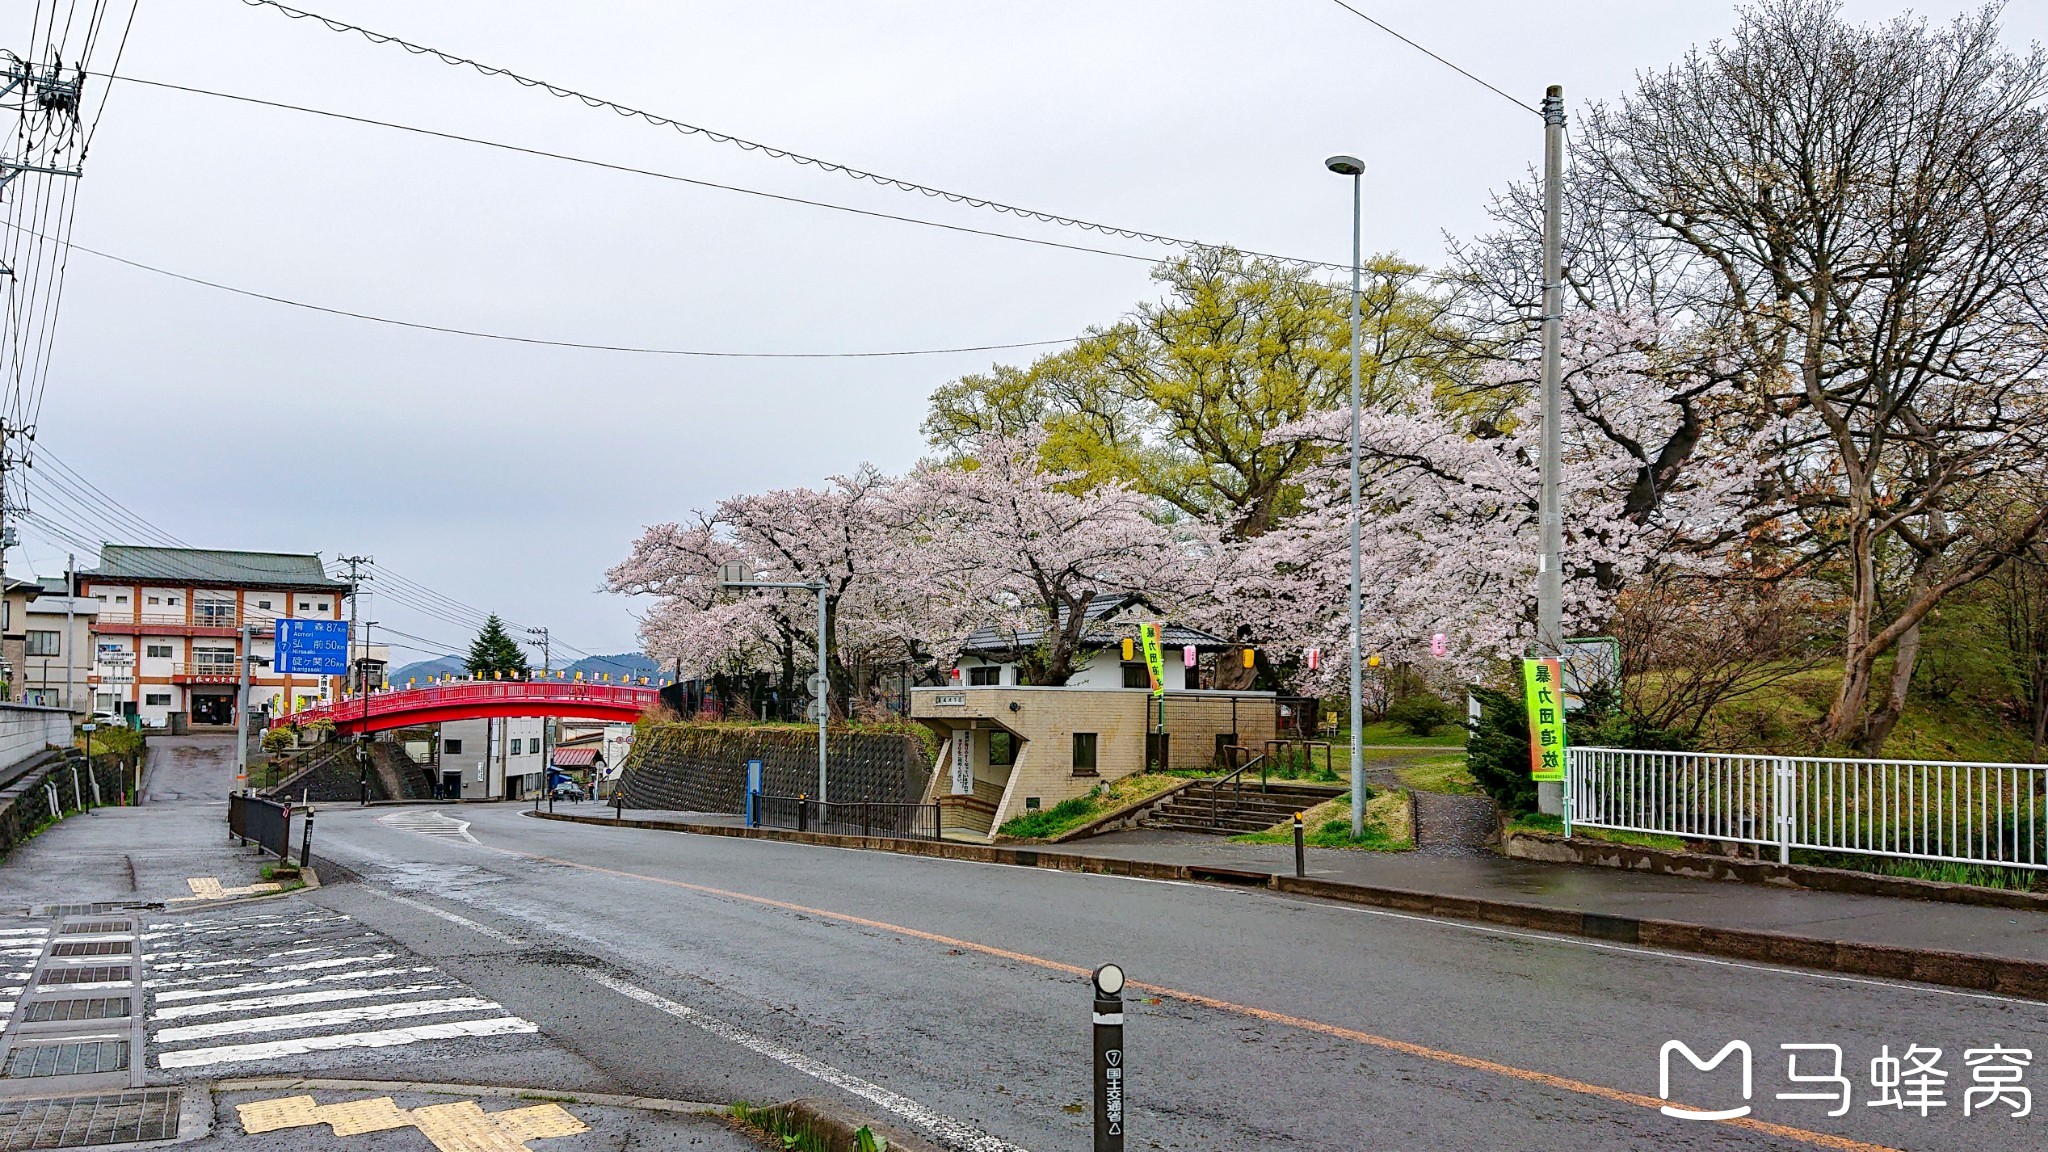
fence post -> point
(1571, 761)
(1781, 802)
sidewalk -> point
(147, 853)
(1826, 919)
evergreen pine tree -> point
(494, 651)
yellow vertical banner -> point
(1543, 695)
(1155, 661)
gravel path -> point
(1450, 825)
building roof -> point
(59, 604)
(575, 757)
(213, 567)
(988, 642)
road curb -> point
(2011, 977)
(496, 1091)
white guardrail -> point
(1968, 813)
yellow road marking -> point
(209, 888)
(1473, 1063)
(459, 1127)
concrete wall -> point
(1044, 720)
(26, 730)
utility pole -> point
(355, 600)
(70, 629)
(1550, 561)
(547, 727)
(1354, 168)
(244, 634)
(734, 574)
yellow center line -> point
(1472, 1063)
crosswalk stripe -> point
(288, 1000)
(182, 994)
(327, 1019)
(382, 1038)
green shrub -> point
(1046, 821)
(1497, 751)
(1422, 713)
(277, 740)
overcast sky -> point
(509, 477)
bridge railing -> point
(475, 692)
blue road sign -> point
(312, 647)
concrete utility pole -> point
(246, 634)
(1550, 562)
(355, 600)
(1355, 168)
(70, 629)
(547, 732)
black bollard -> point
(1300, 854)
(306, 841)
(1109, 1058)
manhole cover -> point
(83, 1121)
(91, 948)
(89, 974)
(93, 1008)
(39, 1060)
(95, 927)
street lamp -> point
(735, 574)
(1353, 167)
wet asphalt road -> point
(710, 968)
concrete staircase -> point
(1228, 810)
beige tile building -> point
(1006, 750)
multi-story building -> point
(56, 632)
(170, 627)
(494, 759)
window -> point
(42, 644)
(120, 599)
(156, 600)
(323, 605)
(305, 605)
(1084, 753)
(213, 661)
(156, 699)
(533, 745)
(1136, 675)
(263, 604)
(1002, 749)
(984, 676)
(172, 600)
(216, 613)
(451, 747)
(158, 651)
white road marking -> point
(274, 985)
(311, 965)
(289, 1000)
(428, 824)
(947, 1130)
(383, 1038)
(326, 1019)
(444, 914)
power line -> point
(449, 330)
(1395, 35)
(740, 142)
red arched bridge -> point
(476, 699)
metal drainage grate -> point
(80, 909)
(94, 1008)
(92, 948)
(90, 974)
(39, 1060)
(83, 1121)
(95, 927)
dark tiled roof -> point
(208, 566)
(989, 642)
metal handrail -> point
(1308, 748)
(1236, 780)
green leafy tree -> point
(1177, 399)
(494, 652)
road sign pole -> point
(1109, 1058)
(247, 637)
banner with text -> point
(1543, 695)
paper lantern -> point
(1315, 659)
(1187, 656)
(1438, 644)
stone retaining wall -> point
(703, 767)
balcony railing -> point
(204, 670)
(265, 622)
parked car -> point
(568, 791)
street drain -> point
(95, 928)
(84, 1121)
(91, 948)
(91, 974)
(38, 1060)
(92, 1008)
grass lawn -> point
(1554, 826)
(1068, 815)
(1438, 774)
(1387, 734)
(1328, 825)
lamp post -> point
(736, 575)
(1353, 167)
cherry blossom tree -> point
(1013, 547)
